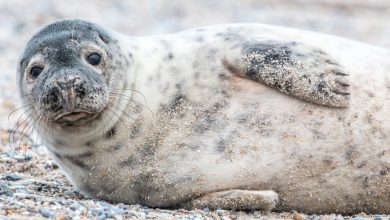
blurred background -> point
(362, 20)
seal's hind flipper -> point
(235, 199)
(295, 69)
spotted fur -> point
(231, 116)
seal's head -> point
(67, 71)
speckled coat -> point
(237, 106)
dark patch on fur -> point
(136, 130)
(170, 56)
(361, 164)
(340, 73)
(261, 123)
(243, 118)
(351, 154)
(212, 54)
(59, 156)
(60, 142)
(78, 160)
(385, 171)
(175, 106)
(196, 75)
(193, 147)
(223, 76)
(115, 147)
(331, 62)
(202, 126)
(322, 87)
(273, 54)
(283, 66)
(177, 101)
(222, 144)
(129, 162)
(366, 181)
(111, 133)
(210, 119)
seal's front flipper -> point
(235, 199)
(293, 68)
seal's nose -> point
(69, 81)
(64, 92)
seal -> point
(235, 116)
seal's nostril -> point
(74, 79)
(68, 81)
(61, 83)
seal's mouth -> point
(73, 117)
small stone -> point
(219, 211)
(12, 177)
(196, 217)
(19, 188)
(50, 165)
(74, 206)
(45, 212)
(297, 216)
(26, 156)
(314, 217)
(22, 196)
(61, 216)
(6, 191)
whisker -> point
(16, 110)
(19, 123)
(117, 95)
(133, 90)
(131, 107)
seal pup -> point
(236, 116)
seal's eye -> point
(93, 59)
(35, 71)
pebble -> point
(196, 217)
(4, 190)
(19, 187)
(61, 216)
(12, 177)
(25, 156)
(46, 212)
(22, 196)
(74, 206)
(313, 217)
(337, 217)
(297, 216)
(50, 165)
